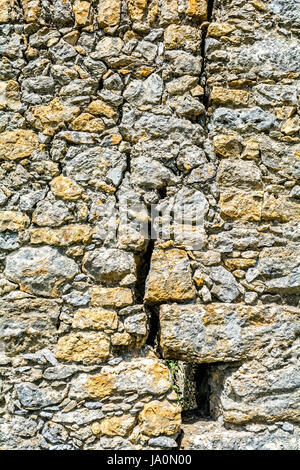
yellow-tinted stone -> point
(32, 10)
(239, 263)
(121, 339)
(117, 297)
(17, 144)
(258, 4)
(280, 208)
(241, 205)
(220, 95)
(291, 126)
(136, 9)
(87, 123)
(153, 12)
(13, 221)
(7, 11)
(81, 11)
(65, 188)
(227, 146)
(116, 425)
(217, 30)
(197, 9)
(100, 108)
(89, 348)
(52, 117)
(63, 236)
(160, 417)
(109, 13)
(169, 278)
(252, 150)
(186, 37)
(95, 318)
(10, 95)
(100, 386)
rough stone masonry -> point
(165, 102)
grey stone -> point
(40, 269)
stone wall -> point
(107, 104)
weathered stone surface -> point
(224, 96)
(17, 144)
(117, 297)
(222, 332)
(186, 37)
(241, 205)
(169, 278)
(88, 348)
(95, 319)
(63, 236)
(211, 435)
(28, 324)
(65, 188)
(160, 418)
(141, 375)
(39, 270)
(109, 265)
(53, 117)
(13, 221)
(109, 13)
(114, 426)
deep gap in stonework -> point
(192, 381)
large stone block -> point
(39, 270)
(223, 332)
(169, 278)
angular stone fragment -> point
(51, 214)
(136, 375)
(10, 95)
(160, 417)
(7, 11)
(115, 425)
(13, 221)
(117, 297)
(110, 265)
(88, 348)
(226, 287)
(52, 117)
(63, 236)
(86, 122)
(39, 270)
(32, 10)
(241, 205)
(222, 96)
(169, 278)
(222, 332)
(136, 9)
(33, 321)
(109, 13)
(217, 30)
(227, 146)
(33, 397)
(65, 188)
(280, 269)
(197, 9)
(185, 37)
(236, 173)
(264, 390)
(280, 208)
(81, 11)
(95, 318)
(17, 144)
